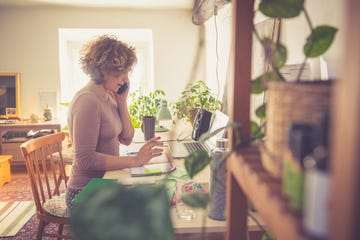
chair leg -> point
(60, 230)
(40, 230)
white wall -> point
(29, 45)
(321, 12)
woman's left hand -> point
(148, 151)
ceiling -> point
(182, 4)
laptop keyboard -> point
(193, 146)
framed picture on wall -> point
(10, 96)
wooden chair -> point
(48, 181)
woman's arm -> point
(85, 115)
(148, 151)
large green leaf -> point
(319, 41)
(275, 52)
(208, 135)
(196, 161)
(257, 86)
(119, 212)
(256, 131)
(261, 111)
(279, 55)
(281, 8)
(196, 199)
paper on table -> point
(159, 159)
(157, 165)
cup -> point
(148, 127)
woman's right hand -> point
(148, 151)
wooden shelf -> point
(264, 192)
(247, 180)
(12, 146)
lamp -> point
(163, 115)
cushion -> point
(56, 206)
(67, 155)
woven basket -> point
(287, 103)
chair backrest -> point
(47, 176)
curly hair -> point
(104, 55)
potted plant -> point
(144, 105)
(194, 97)
(308, 98)
(316, 44)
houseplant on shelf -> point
(288, 102)
(317, 43)
(144, 105)
(194, 97)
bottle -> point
(47, 114)
(218, 180)
(301, 144)
(317, 186)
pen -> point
(132, 153)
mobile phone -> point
(122, 88)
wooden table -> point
(183, 229)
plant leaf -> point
(319, 41)
(196, 199)
(261, 111)
(281, 8)
(119, 212)
(279, 55)
(208, 135)
(257, 86)
(275, 52)
(196, 161)
(256, 131)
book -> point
(95, 182)
(156, 166)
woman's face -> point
(114, 80)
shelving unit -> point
(247, 179)
(12, 146)
(264, 192)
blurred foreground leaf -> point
(196, 161)
(196, 199)
(115, 211)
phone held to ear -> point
(122, 88)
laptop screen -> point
(220, 120)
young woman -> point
(98, 116)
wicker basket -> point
(287, 103)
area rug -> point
(19, 189)
(14, 215)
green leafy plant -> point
(194, 97)
(317, 43)
(119, 212)
(144, 105)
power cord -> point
(216, 50)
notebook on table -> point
(181, 149)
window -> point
(71, 76)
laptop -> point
(181, 149)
